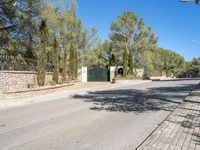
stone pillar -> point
(112, 72)
(84, 74)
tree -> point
(42, 53)
(7, 23)
(134, 37)
(19, 25)
(190, 69)
(72, 32)
(52, 33)
(76, 65)
(122, 33)
(56, 18)
(55, 61)
(144, 46)
(172, 62)
(90, 47)
(147, 63)
(72, 63)
(125, 63)
(158, 58)
(8, 15)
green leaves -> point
(53, 33)
(122, 33)
(124, 26)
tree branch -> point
(7, 28)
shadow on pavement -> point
(178, 79)
(138, 101)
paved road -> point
(118, 119)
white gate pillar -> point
(84, 74)
(112, 72)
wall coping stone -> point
(19, 72)
(23, 72)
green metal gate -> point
(98, 74)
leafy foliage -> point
(52, 33)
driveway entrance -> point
(98, 74)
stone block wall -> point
(11, 81)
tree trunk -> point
(56, 67)
(125, 63)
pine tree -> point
(122, 33)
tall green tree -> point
(122, 34)
(172, 61)
(41, 54)
(90, 48)
(144, 46)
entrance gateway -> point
(98, 74)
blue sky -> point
(177, 24)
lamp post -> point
(196, 1)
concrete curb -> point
(41, 89)
(10, 103)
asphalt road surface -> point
(117, 119)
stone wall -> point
(12, 81)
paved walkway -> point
(181, 130)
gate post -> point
(112, 72)
(84, 74)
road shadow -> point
(137, 101)
(178, 79)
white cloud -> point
(196, 42)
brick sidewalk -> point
(181, 130)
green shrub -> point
(118, 77)
(131, 77)
(50, 82)
(128, 77)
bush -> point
(118, 77)
(62, 80)
(131, 77)
(128, 77)
(50, 82)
